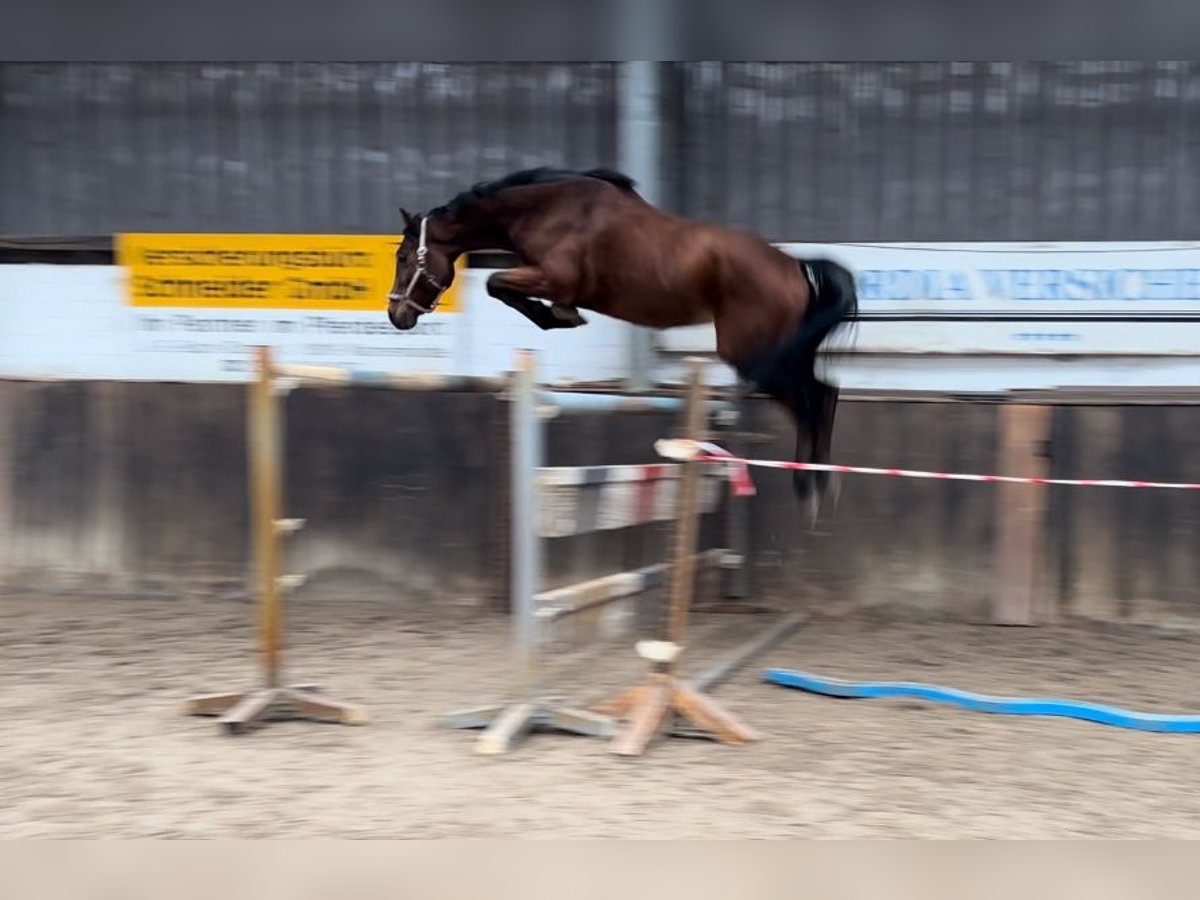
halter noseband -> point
(421, 273)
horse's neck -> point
(498, 222)
(479, 231)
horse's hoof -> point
(568, 316)
(835, 489)
(814, 508)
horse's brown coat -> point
(588, 241)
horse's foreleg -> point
(568, 315)
(516, 288)
(534, 310)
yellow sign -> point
(264, 271)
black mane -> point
(542, 175)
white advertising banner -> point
(189, 308)
(76, 322)
(211, 345)
(1070, 279)
(1071, 298)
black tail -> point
(789, 373)
(834, 303)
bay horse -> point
(589, 241)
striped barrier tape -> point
(699, 451)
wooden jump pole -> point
(241, 710)
(654, 707)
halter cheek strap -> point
(421, 273)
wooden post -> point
(683, 577)
(263, 429)
(656, 706)
(239, 711)
(1020, 514)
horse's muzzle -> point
(402, 317)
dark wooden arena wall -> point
(140, 487)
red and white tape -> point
(739, 475)
(701, 451)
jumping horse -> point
(589, 241)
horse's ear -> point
(408, 218)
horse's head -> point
(423, 273)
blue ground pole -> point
(1012, 706)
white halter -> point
(419, 273)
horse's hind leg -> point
(815, 405)
(831, 484)
(516, 287)
(814, 444)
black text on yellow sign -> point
(264, 271)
